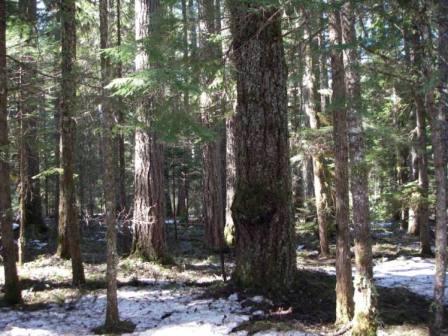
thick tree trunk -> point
(439, 143)
(344, 285)
(261, 209)
(149, 212)
(112, 316)
(12, 287)
(68, 216)
(364, 319)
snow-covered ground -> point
(154, 310)
(415, 274)
(161, 308)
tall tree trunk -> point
(313, 108)
(422, 211)
(439, 143)
(122, 203)
(213, 183)
(68, 216)
(149, 233)
(364, 320)
(57, 163)
(261, 209)
(112, 316)
(344, 285)
(12, 288)
(31, 221)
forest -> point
(223, 167)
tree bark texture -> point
(149, 212)
(261, 209)
(12, 288)
(112, 316)
(344, 285)
(439, 143)
(364, 319)
(313, 108)
(68, 214)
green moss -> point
(122, 327)
(364, 325)
(256, 204)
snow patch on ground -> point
(415, 274)
(154, 310)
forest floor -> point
(189, 297)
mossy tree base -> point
(122, 327)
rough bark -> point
(68, 216)
(261, 208)
(344, 285)
(112, 316)
(364, 319)
(149, 233)
(439, 143)
(11, 288)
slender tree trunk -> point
(31, 221)
(122, 203)
(421, 209)
(229, 228)
(68, 216)
(182, 209)
(313, 108)
(57, 163)
(149, 233)
(112, 316)
(344, 285)
(413, 228)
(439, 143)
(261, 209)
(213, 183)
(364, 320)
(12, 288)
(173, 203)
